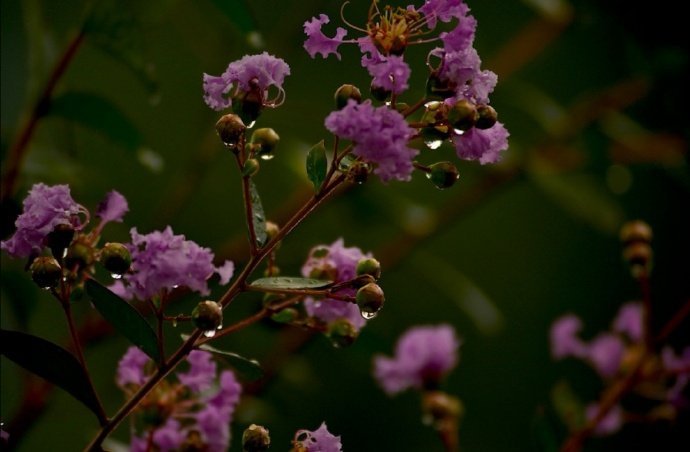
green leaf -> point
(568, 405)
(290, 282)
(249, 369)
(51, 362)
(259, 218)
(317, 165)
(99, 114)
(124, 318)
(112, 26)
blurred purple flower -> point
(605, 353)
(317, 42)
(380, 136)
(629, 321)
(423, 356)
(130, 369)
(112, 208)
(202, 371)
(564, 337)
(44, 208)
(610, 423)
(169, 437)
(319, 440)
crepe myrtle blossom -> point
(337, 263)
(380, 136)
(250, 74)
(196, 410)
(423, 357)
(162, 260)
(610, 423)
(319, 440)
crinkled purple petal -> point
(215, 89)
(265, 69)
(202, 371)
(391, 74)
(443, 10)
(564, 339)
(225, 272)
(629, 321)
(461, 37)
(228, 394)
(483, 145)
(130, 369)
(605, 353)
(169, 437)
(320, 440)
(214, 425)
(112, 208)
(317, 42)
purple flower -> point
(214, 425)
(317, 42)
(228, 393)
(461, 37)
(605, 353)
(564, 339)
(336, 263)
(130, 369)
(44, 208)
(380, 136)
(320, 440)
(162, 260)
(391, 74)
(610, 423)
(629, 321)
(483, 145)
(169, 437)
(423, 356)
(443, 10)
(251, 72)
(112, 208)
(202, 371)
(225, 272)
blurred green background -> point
(593, 93)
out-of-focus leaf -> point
(567, 405)
(99, 114)
(468, 297)
(290, 282)
(557, 10)
(20, 292)
(112, 26)
(52, 362)
(259, 218)
(582, 197)
(317, 165)
(124, 318)
(249, 369)
(238, 12)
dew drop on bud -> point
(266, 156)
(433, 144)
(251, 124)
(115, 275)
(368, 315)
(210, 333)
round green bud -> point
(115, 258)
(208, 316)
(345, 93)
(437, 88)
(248, 105)
(59, 239)
(342, 333)
(266, 139)
(463, 115)
(443, 174)
(251, 167)
(230, 129)
(636, 231)
(370, 300)
(362, 280)
(486, 117)
(287, 315)
(46, 272)
(379, 93)
(255, 438)
(80, 255)
(368, 266)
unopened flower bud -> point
(438, 89)
(115, 257)
(463, 115)
(193, 443)
(362, 280)
(59, 239)
(438, 406)
(369, 266)
(79, 255)
(639, 256)
(255, 438)
(46, 272)
(342, 333)
(230, 129)
(287, 315)
(266, 139)
(358, 172)
(272, 230)
(443, 174)
(636, 231)
(345, 93)
(370, 300)
(379, 93)
(487, 117)
(208, 316)
(248, 105)
(251, 167)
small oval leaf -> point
(124, 318)
(259, 218)
(290, 282)
(317, 165)
(53, 363)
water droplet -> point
(210, 333)
(368, 315)
(115, 275)
(175, 286)
(458, 131)
(230, 144)
(46, 288)
(266, 156)
(433, 144)
(174, 322)
(251, 124)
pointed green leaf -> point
(259, 218)
(51, 362)
(290, 282)
(99, 114)
(249, 369)
(124, 318)
(317, 165)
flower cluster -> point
(423, 357)
(162, 260)
(319, 440)
(193, 413)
